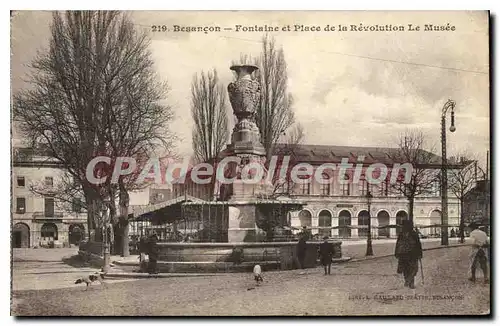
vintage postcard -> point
(250, 163)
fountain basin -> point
(232, 257)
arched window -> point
(344, 224)
(325, 223)
(325, 184)
(383, 224)
(435, 220)
(363, 220)
(305, 218)
(49, 230)
(400, 217)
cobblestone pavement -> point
(37, 269)
(357, 249)
(358, 288)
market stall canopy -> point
(170, 209)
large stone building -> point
(39, 219)
(340, 209)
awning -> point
(171, 210)
(170, 207)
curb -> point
(392, 255)
(160, 275)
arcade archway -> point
(344, 224)
(325, 223)
(49, 231)
(20, 236)
(76, 233)
(400, 217)
(305, 218)
(383, 220)
(363, 219)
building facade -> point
(337, 206)
(477, 203)
(40, 219)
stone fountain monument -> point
(244, 95)
(248, 207)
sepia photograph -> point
(250, 163)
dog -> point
(88, 280)
(257, 274)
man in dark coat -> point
(301, 250)
(408, 252)
(326, 254)
(153, 253)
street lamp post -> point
(369, 249)
(444, 175)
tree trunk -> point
(125, 242)
(411, 202)
(117, 239)
(461, 228)
(92, 218)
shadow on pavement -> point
(76, 261)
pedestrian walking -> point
(478, 254)
(452, 233)
(153, 253)
(301, 250)
(408, 251)
(326, 253)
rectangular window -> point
(346, 189)
(49, 181)
(77, 205)
(345, 186)
(363, 187)
(384, 188)
(305, 187)
(436, 188)
(20, 205)
(325, 189)
(21, 182)
(49, 207)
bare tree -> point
(424, 172)
(94, 93)
(209, 112)
(461, 181)
(291, 141)
(275, 114)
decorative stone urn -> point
(244, 95)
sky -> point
(359, 88)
